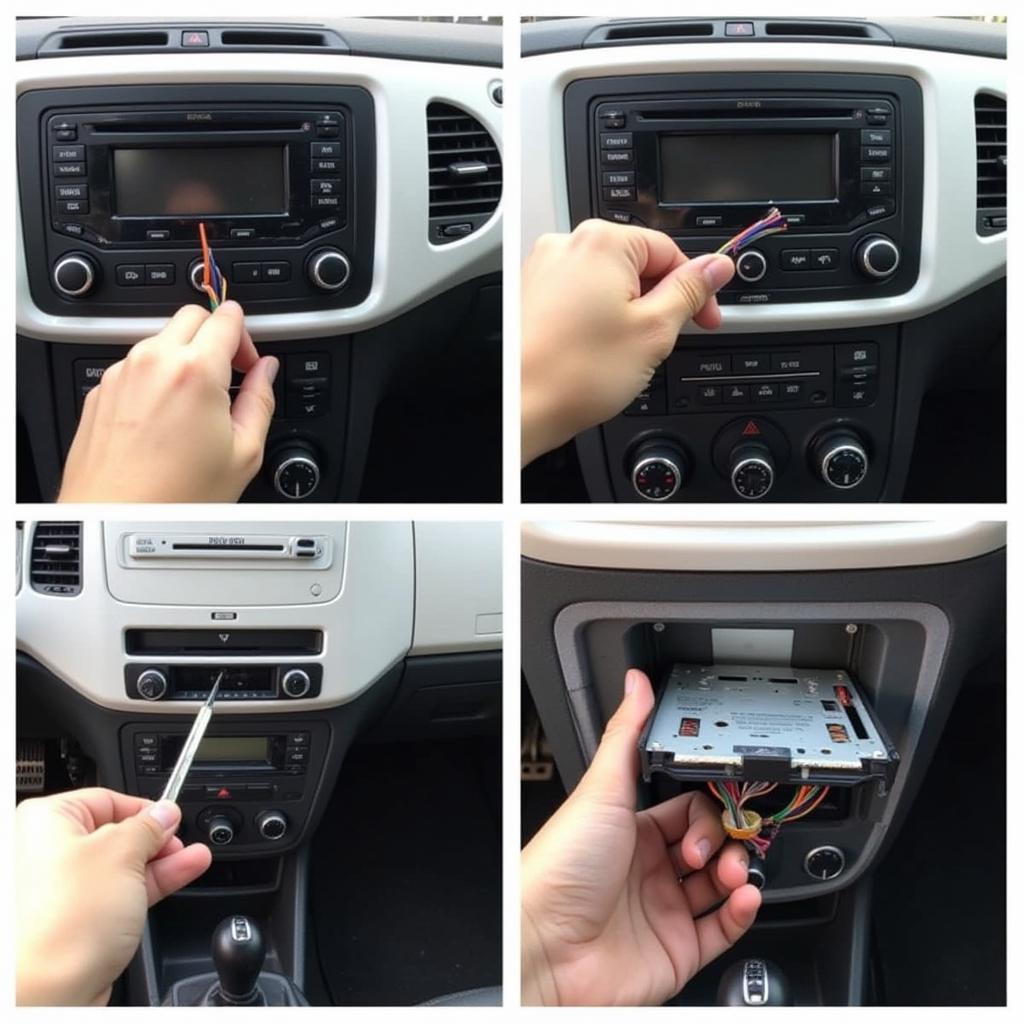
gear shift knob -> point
(238, 952)
(754, 982)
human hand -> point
(601, 310)
(161, 425)
(617, 904)
(90, 863)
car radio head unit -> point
(701, 156)
(281, 177)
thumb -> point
(144, 835)
(682, 294)
(253, 407)
(612, 774)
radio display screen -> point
(751, 168)
(210, 181)
(232, 748)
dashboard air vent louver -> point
(818, 29)
(114, 40)
(57, 558)
(990, 136)
(465, 173)
(273, 38)
(654, 31)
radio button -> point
(297, 739)
(70, 170)
(733, 393)
(319, 202)
(325, 186)
(875, 154)
(617, 156)
(619, 194)
(325, 166)
(243, 233)
(618, 178)
(795, 259)
(294, 757)
(69, 191)
(68, 134)
(324, 149)
(707, 221)
(790, 391)
(750, 364)
(794, 219)
(146, 739)
(71, 229)
(856, 354)
(882, 209)
(73, 206)
(824, 259)
(328, 126)
(275, 272)
(130, 274)
(143, 759)
(616, 140)
(245, 273)
(765, 392)
(709, 394)
(876, 188)
(61, 153)
(788, 362)
(876, 137)
(160, 273)
(157, 235)
(875, 173)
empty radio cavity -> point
(171, 549)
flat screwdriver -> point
(188, 751)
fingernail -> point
(718, 271)
(273, 365)
(631, 677)
(703, 850)
(166, 813)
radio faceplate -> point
(701, 156)
(280, 176)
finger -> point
(253, 407)
(686, 290)
(246, 356)
(709, 316)
(181, 328)
(173, 845)
(725, 927)
(141, 837)
(657, 255)
(169, 874)
(692, 820)
(705, 888)
(611, 777)
(96, 806)
(220, 336)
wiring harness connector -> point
(770, 224)
(751, 828)
(215, 284)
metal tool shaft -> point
(188, 751)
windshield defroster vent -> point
(990, 138)
(57, 559)
(465, 173)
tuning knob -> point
(271, 825)
(151, 684)
(877, 256)
(751, 266)
(751, 470)
(296, 683)
(840, 458)
(329, 269)
(658, 470)
(195, 276)
(74, 275)
(220, 831)
(294, 470)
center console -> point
(801, 416)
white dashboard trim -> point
(408, 270)
(954, 260)
(758, 547)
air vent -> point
(990, 137)
(653, 31)
(818, 29)
(113, 40)
(57, 558)
(274, 39)
(465, 173)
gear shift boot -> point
(754, 982)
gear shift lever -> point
(238, 952)
(754, 982)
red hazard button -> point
(751, 429)
(195, 38)
(219, 793)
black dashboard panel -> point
(70, 145)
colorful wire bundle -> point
(733, 796)
(215, 284)
(770, 224)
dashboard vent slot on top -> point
(465, 173)
(819, 29)
(990, 138)
(113, 40)
(57, 559)
(653, 31)
(274, 38)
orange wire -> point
(802, 814)
(206, 255)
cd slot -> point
(213, 641)
(746, 114)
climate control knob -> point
(220, 830)
(74, 275)
(751, 266)
(840, 459)
(151, 684)
(877, 256)
(658, 470)
(294, 470)
(271, 825)
(329, 269)
(751, 470)
(296, 683)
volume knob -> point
(74, 275)
(877, 257)
(329, 269)
(151, 684)
(296, 683)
